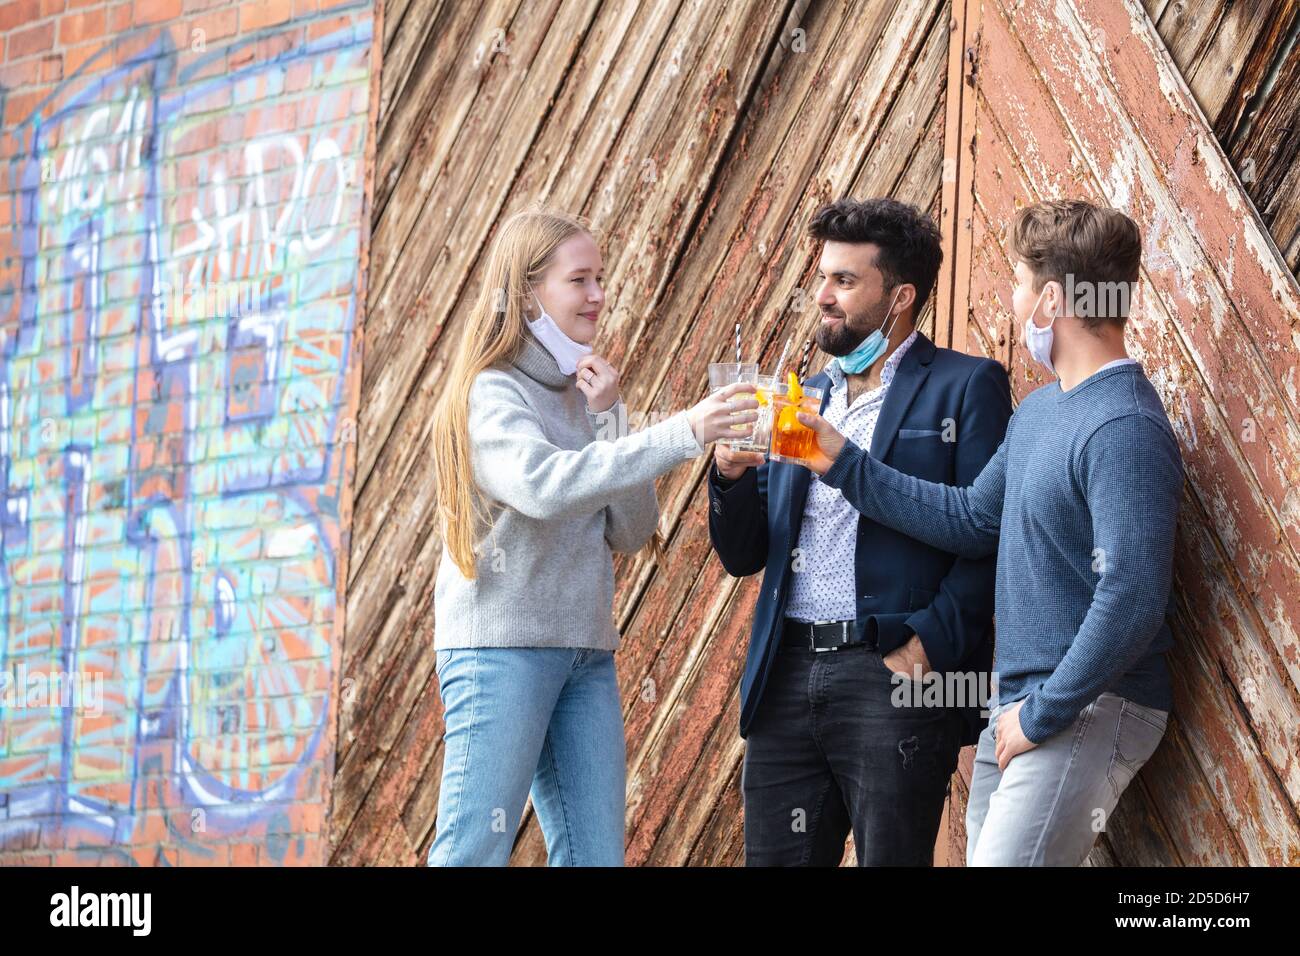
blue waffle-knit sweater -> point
(1080, 503)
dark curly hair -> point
(908, 240)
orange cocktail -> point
(792, 440)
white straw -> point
(781, 361)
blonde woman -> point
(537, 485)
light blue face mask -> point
(870, 348)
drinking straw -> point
(780, 363)
(738, 343)
(803, 362)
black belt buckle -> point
(819, 636)
(829, 628)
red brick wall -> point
(182, 246)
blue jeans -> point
(540, 718)
(1048, 806)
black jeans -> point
(828, 750)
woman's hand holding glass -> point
(714, 417)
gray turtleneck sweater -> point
(564, 486)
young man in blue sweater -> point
(1080, 504)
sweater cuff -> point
(849, 455)
(1035, 725)
(615, 415)
(682, 438)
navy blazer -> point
(903, 585)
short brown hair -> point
(1084, 247)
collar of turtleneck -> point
(539, 364)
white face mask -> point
(1039, 341)
(565, 351)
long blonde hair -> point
(494, 333)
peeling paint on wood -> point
(1063, 107)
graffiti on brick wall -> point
(177, 330)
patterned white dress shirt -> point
(824, 584)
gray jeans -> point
(1047, 808)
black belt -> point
(824, 635)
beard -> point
(841, 339)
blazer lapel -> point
(907, 381)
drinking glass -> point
(722, 374)
(792, 440)
(761, 437)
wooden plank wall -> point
(1081, 98)
(699, 136)
(1241, 61)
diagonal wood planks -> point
(1081, 99)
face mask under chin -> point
(869, 349)
(563, 349)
